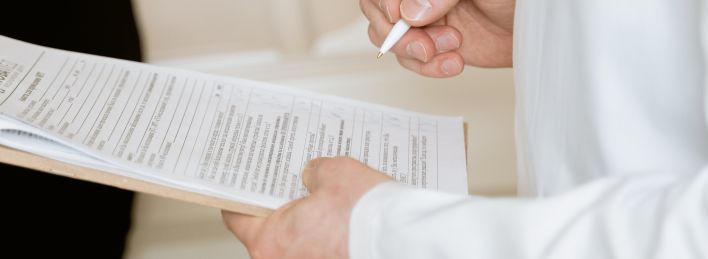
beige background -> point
(318, 45)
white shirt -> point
(612, 142)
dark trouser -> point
(47, 216)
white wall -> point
(182, 28)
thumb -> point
(341, 174)
(310, 173)
(423, 12)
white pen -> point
(394, 35)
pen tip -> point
(379, 55)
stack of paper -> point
(201, 134)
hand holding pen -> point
(444, 35)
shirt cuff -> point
(366, 218)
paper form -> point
(237, 138)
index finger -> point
(245, 227)
(425, 12)
(390, 8)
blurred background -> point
(318, 45)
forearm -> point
(640, 216)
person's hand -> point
(445, 34)
(313, 227)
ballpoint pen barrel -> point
(396, 33)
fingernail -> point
(388, 14)
(417, 50)
(386, 11)
(314, 163)
(415, 10)
(447, 42)
(450, 67)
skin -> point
(451, 34)
(313, 227)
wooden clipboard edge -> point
(40, 163)
(28, 160)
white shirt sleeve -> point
(631, 216)
(607, 91)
